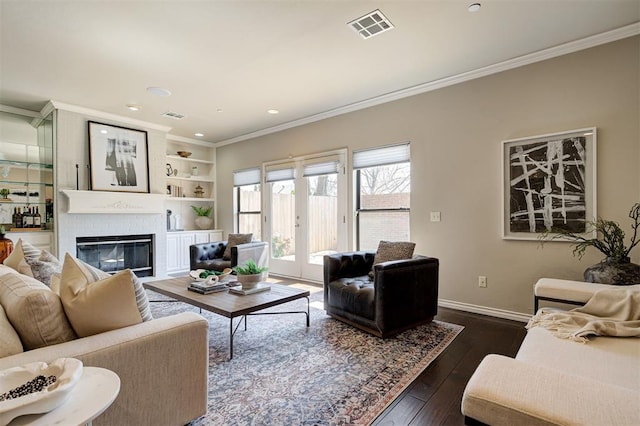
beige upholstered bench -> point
(565, 291)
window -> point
(248, 202)
(383, 189)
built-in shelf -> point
(193, 160)
(189, 199)
(101, 202)
(192, 178)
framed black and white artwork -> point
(549, 182)
(119, 158)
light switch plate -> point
(435, 216)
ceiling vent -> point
(174, 115)
(371, 24)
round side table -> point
(95, 392)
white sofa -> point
(554, 381)
(162, 365)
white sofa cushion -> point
(504, 391)
(612, 360)
(577, 291)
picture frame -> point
(549, 182)
(119, 158)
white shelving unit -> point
(182, 183)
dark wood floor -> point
(434, 397)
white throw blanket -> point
(610, 312)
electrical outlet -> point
(482, 281)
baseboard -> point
(484, 310)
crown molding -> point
(107, 116)
(542, 55)
(19, 111)
(190, 141)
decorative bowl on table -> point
(184, 154)
(37, 387)
(196, 274)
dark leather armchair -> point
(209, 255)
(402, 295)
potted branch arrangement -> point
(250, 274)
(203, 221)
(616, 268)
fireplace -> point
(118, 252)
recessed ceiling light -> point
(273, 111)
(133, 107)
(219, 110)
(474, 7)
(158, 91)
(198, 134)
(104, 132)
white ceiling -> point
(245, 57)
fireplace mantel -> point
(103, 202)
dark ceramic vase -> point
(613, 271)
(6, 247)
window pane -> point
(376, 226)
(250, 198)
(382, 191)
(250, 223)
(283, 220)
(322, 229)
(385, 187)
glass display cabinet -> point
(26, 173)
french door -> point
(306, 213)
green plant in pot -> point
(616, 268)
(4, 193)
(250, 274)
(203, 221)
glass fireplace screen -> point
(116, 253)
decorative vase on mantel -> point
(204, 222)
(613, 271)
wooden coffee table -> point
(231, 305)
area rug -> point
(283, 373)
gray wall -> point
(456, 135)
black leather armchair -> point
(209, 255)
(402, 295)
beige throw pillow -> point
(10, 343)
(95, 304)
(392, 250)
(233, 240)
(16, 259)
(35, 312)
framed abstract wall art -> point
(119, 158)
(549, 182)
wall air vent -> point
(174, 115)
(371, 24)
